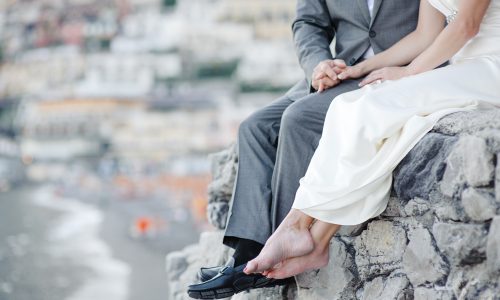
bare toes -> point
(251, 267)
(278, 274)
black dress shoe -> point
(208, 273)
(229, 281)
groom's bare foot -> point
(296, 265)
(286, 242)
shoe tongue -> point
(230, 262)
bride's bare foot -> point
(286, 242)
(321, 234)
(296, 265)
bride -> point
(369, 131)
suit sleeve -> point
(312, 33)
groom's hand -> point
(325, 74)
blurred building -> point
(140, 80)
(41, 71)
(63, 130)
(126, 75)
(160, 136)
(269, 19)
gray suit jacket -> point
(319, 21)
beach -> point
(57, 247)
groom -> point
(277, 142)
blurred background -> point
(108, 111)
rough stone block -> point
(224, 169)
(394, 287)
(469, 122)
(335, 281)
(479, 206)
(217, 213)
(351, 230)
(448, 209)
(493, 246)
(497, 179)
(271, 293)
(469, 162)
(416, 207)
(423, 293)
(478, 161)
(395, 208)
(176, 264)
(453, 177)
(379, 249)
(421, 262)
(211, 242)
(423, 167)
(443, 184)
(462, 243)
(473, 282)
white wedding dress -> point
(367, 132)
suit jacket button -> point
(372, 34)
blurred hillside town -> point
(134, 93)
(109, 110)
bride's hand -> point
(388, 73)
(355, 71)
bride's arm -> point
(453, 37)
(430, 23)
(448, 43)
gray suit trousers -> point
(275, 145)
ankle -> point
(322, 247)
(298, 220)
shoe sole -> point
(242, 285)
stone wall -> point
(439, 237)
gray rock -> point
(468, 122)
(176, 264)
(421, 262)
(379, 249)
(191, 259)
(394, 287)
(351, 230)
(416, 207)
(497, 180)
(453, 177)
(479, 206)
(335, 281)
(211, 242)
(469, 162)
(492, 138)
(493, 246)
(447, 210)
(477, 289)
(217, 214)
(456, 280)
(271, 293)
(462, 243)
(418, 173)
(473, 282)
(423, 293)
(224, 168)
(478, 161)
(395, 208)
(443, 185)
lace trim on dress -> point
(450, 18)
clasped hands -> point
(331, 72)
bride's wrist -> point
(363, 67)
(411, 70)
